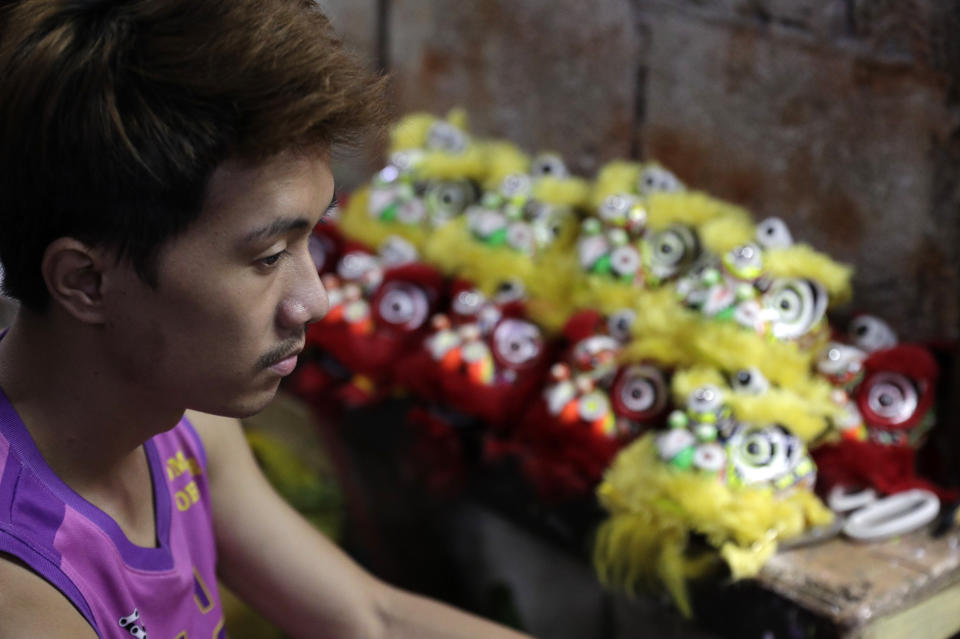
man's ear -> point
(73, 272)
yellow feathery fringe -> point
(614, 178)
(806, 416)
(688, 380)
(568, 191)
(411, 131)
(663, 349)
(454, 250)
(659, 313)
(692, 208)
(729, 346)
(357, 224)
(437, 165)
(725, 233)
(503, 159)
(800, 260)
(604, 294)
(661, 328)
(662, 313)
(549, 290)
(654, 508)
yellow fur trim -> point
(568, 191)
(654, 508)
(436, 165)
(549, 289)
(454, 250)
(688, 380)
(800, 260)
(411, 131)
(503, 159)
(725, 233)
(806, 416)
(692, 208)
(731, 347)
(615, 178)
(357, 224)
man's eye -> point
(271, 260)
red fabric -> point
(582, 325)
(887, 469)
(562, 461)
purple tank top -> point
(123, 590)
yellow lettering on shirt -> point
(180, 464)
(187, 497)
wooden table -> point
(908, 587)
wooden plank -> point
(852, 584)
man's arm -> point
(275, 560)
(31, 607)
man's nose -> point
(307, 301)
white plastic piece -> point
(894, 515)
(842, 499)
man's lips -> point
(287, 363)
(285, 366)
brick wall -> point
(839, 115)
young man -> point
(162, 163)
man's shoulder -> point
(32, 607)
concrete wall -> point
(839, 115)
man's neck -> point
(87, 420)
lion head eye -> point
(620, 323)
(403, 305)
(640, 392)
(750, 381)
(516, 185)
(870, 333)
(444, 136)
(654, 179)
(773, 233)
(517, 343)
(796, 306)
(762, 455)
(549, 165)
(671, 250)
(508, 291)
(446, 200)
(888, 399)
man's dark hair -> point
(113, 115)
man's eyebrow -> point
(285, 225)
(279, 226)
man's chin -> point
(242, 407)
